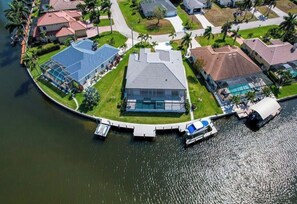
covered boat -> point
(197, 127)
(264, 111)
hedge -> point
(47, 48)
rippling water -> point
(49, 155)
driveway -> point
(177, 23)
(204, 22)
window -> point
(174, 93)
(160, 92)
(143, 92)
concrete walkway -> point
(203, 20)
(195, 44)
(279, 12)
(177, 23)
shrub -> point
(47, 48)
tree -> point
(106, 7)
(235, 99)
(199, 64)
(235, 34)
(141, 36)
(154, 44)
(172, 35)
(271, 3)
(247, 5)
(266, 91)
(17, 8)
(251, 95)
(225, 29)
(95, 18)
(159, 13)
(187, 40)
(285, 77)
(30, 60)
(146, 37)
(256, 4)
(208, 33)
(43, 36)
(91, 98)
(288, 25)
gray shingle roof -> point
(158, 70)
(148, 6)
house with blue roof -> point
(81, 62)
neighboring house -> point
(148, 7)
(230, 3)
(228, 67)
(269, 55)
(79, 63)
(60, 25)
(195, 6)
(156, 82)
(60, 5)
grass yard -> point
(140, 24)
(285, 90)
(218, 16)
(106, 37)
(110, 90)
(105, 22)
(195, 24)
(217, 39)
(286, 6)
(208, 106)
(263, 10)
(255, 32)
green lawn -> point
(256, 32)
(105, 22)
(106, 37)
(140, 24)
(110, 90)
(208, 106)
(217, 39)
(195, 24)
(285, 91)
(263, 10)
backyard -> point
(218, 38)
(204, 101)
(285, 91)
(218, 16)
(140, 24)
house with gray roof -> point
(81, 62)
(195, 6)
(156, 82)
(148, 7)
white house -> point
(194, 6)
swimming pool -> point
(293, 72)
(239, 89)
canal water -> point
(48, 155)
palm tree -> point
(266, 91)
(225, 29)
(208, 33)
(146, 37)
(106, 7)
(251, 95)
(172, 35)
(30, 60)
(247, 4)
(236, 99)
(154, 44)
(95, 18)
(187, 40)
(289, 24)
(271, 3)
(17, 8)
(17, 26)
(235, 34)
(91, 98)
(141, 36)
(256, 4)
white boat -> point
(199, 130)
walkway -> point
(92, 31)
(177, 23)
(203, 20)
(279, 12)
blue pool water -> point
(239, 89)
(150, 105)
(293, 72)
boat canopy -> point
(266, 107)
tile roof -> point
(80, 60)
(52, 18)
(64, 4)
(156, 70)
(225, 62)
(273, 54)
(65, 32)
